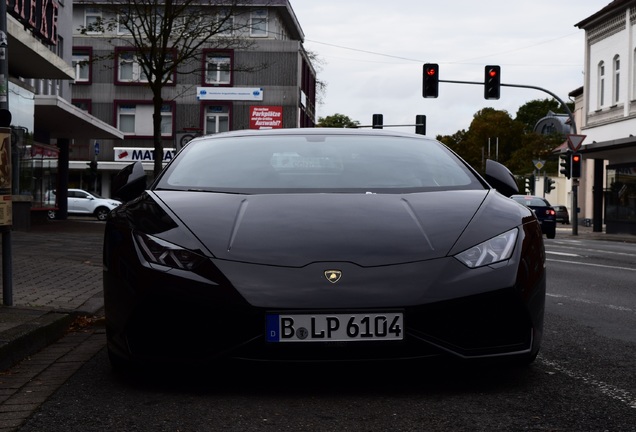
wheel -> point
(102, 213)
(551, 235)
(50, 214)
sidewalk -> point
(57, 276)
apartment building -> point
(266, 82)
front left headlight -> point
(158, 251)
(491, 251)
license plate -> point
(335, 327)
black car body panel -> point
(259, 254)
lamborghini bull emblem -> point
(333, 276)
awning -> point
(62, 119)
(29, 58)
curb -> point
(22, 341)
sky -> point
(372, 54)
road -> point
(583, 380)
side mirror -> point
(500, 178)
(130, 182)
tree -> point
(167, 37)
(531, 112)
(337, 121)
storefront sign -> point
(230, 93)
(266, 117)
(39, 16)
(142, 154)
(6, 209)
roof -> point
(615, 6)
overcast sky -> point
(373, 52)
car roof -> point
(313, 132)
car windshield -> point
(532, 201)
(316, 163)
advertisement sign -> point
(266, 117)
(142, 154)
(6, 209)
(230, 93)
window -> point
(225, 21)
(82, 64)
(129, 70)
(83, 104)
(93, 20)
(136, 119)
(217, 119)
(218, 68)
(258, 23)
(601, 84)
(124, 22)
(617, 79)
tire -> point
(51, 214)
(551, 235)
(101, 213)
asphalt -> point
(57, 281)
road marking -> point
(610, 390)
(593, 265)
(562, 253)
(591, 302)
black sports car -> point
(321, 245)
(542, 209)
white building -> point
(606, 111)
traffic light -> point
(548, 185)
(529, 185)
(430, 89)
(92, 166)
(576, 165)
(566, 164)
(378, 121)
(420, 124)
(492, 82)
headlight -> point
(491, 251)
(157, 251)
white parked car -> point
(81, 202)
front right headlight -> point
(491, 251)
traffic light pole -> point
(575, 219)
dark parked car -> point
(321, 245)
(543, 210)
(562, 214)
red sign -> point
(266, 117)
(575, 141)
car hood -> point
(298, 229)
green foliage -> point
(494, 134)
(337, 121)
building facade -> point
(607, 108)
(44, 122)
(267, 81)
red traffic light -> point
(492, 73)
(576, 158)
(431, 71)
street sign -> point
(575, 141)
(96, 148)
(538, 164)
